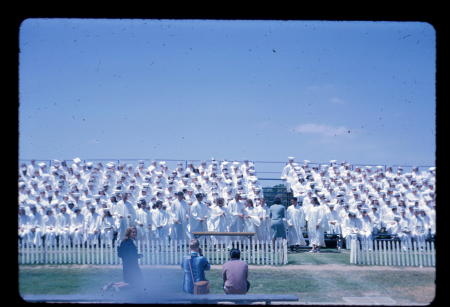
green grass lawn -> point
(327, 256)
(305, 276)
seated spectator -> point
(235, 274)
(194, 267)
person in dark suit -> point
(132, 274)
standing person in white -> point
(263, 231)
(220, 220)
(316, 224)
(199, 214)
(63, 225)
(180, 217)
(50, 227)
(367, 228)
(24, 226)
(93, 221)
(107, 228)
(36, 226)
(295, 218)
(131, 216)
(160, 221)
(77, 227)
(251, 218)
(287, 169)
(120, 212)
(236, 207)
(141, 221)
(351, 228)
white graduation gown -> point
(251, 219)
(295, 218)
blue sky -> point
(363, 92)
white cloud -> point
(324, 130)
(337, 100)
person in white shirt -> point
(263, 231)
(160, 221)
(419, 231)
(399, 229)
(251, 218)
(316, 224)
(86, 208)
(92, 228)
(351, 228)
(141, 221)
(121, 215)
(63, 226)
(36, 226)
(367, 228)
(236, 207)
(299, 187)
(107, 228)
(180, 212)
(295, 218)
(77, 225)
(287, 169)
(199, 214)
(24, 226)
(50, 229)
(334, 223)
(220, 220)
(376, 219)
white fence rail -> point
(393, 253)
(154, 253)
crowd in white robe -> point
(76, 202)
(359, 202)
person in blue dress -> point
(277, 213)
(199, 265)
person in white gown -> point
(77, 229)
(263, 231)
(141, 221)
(316, 226)
(107, 228)
(236, 207)
(179, 211)
(199, 214)
(220, 220)
(295, 218)
(251, 218)
(24, 226)
(50, 228)
(92, 228)
(351, 228)
(160, 221)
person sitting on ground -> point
(235, 274)
(194, 266)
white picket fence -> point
(154, 253)
(393, 253)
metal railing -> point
(260, 170)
